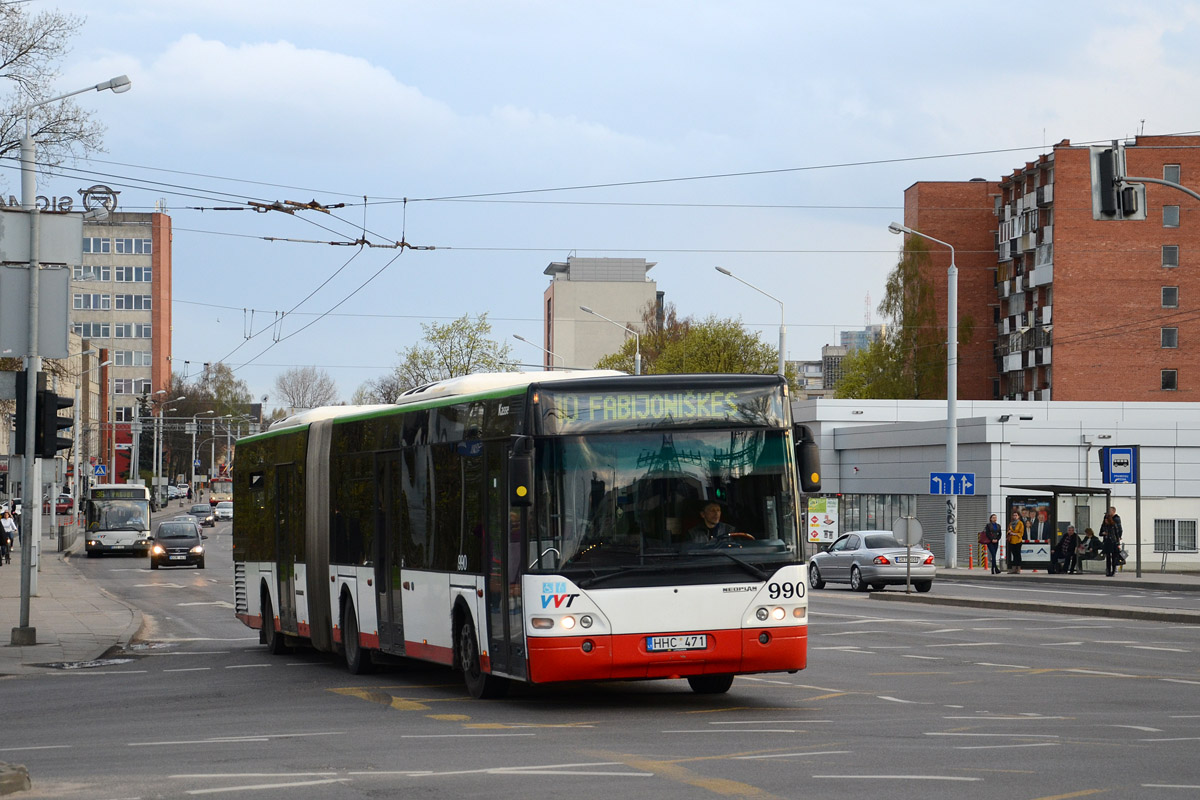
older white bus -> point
(116, 519)
(536, 527)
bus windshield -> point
(117, 515)
(654, 499)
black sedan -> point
(872, 559)
(203, 513)
(177, 543)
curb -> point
(1147, 614)
(137, 621)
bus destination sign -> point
(118, 494)
(571, 412)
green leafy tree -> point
(457, 348)
(658, 335)
(909, 361)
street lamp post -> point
(24, 634)
(951, 389)
(160, 431)
(80, 438)
(552, 354)
(637, 340)
(782, 318)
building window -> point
(132, 302)
(142, 386)
(91, 302)
(134, 274)
(1170, 297)
(92, 330)
(1169, 337)
(1170, 216)
(89, 272)
(1170, 380)
(96, 244)
(1175, 535)
(132, 246)
(1170, 255)
(122, 385)
(141, 331)
(123, 413)
(1171, 173)
(132, 358)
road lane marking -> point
(260, 787)
(461, 735)
(796, 755)
(35, 747)
(898, 778)
(672, 771)
(189, 669)
(249, 738)
(1005, 666)
(248, 666)
(1005, 746)
(1164, 649)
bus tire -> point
(273, 639)
(358, 658)
(710, 684)
(480, 684)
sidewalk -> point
(74, 618)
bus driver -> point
(710, 527)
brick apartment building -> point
(1077, 294)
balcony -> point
(1042, 275)
(1045, 195)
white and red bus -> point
(220, 488)
(535, 527)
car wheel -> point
(153, 564)
(200, 564)
(814, 577)
(710, 684)
(877, 587)
(480, 684)
(273, 639)
(358, 659)
(923, 586)
(856, 580)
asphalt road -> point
(902, 701)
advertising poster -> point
(822, 519)
(1037, 513)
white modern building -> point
(616, 288)
(878, 455)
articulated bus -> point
(538, 528)
(220, 488)
(116, 519)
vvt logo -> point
(556, 592)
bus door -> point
(502, 559)
(387, 553)
(287, 534)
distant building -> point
(617, 288)
(831, 365)
(862, 338)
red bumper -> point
(625, 657)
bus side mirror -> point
(520, 472)
(808, 460)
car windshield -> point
(203, 510)
(118, 515)
(225, 504)
(652, 500)
(176, 532)
(881, 541)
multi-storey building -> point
(1088, 284)
(617, 288)
(121, 301)
(861, 338)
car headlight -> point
(157, 550)
(197, 550)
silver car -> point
(872, 559)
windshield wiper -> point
(750, 568)
(592, 581)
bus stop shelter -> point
(1047, 510)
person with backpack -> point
(990, 536)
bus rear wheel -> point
(710, 684)
(480, 684)
(358, 659)
(272, 638)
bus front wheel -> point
(710, 684)
(272, 638)
(480, 684)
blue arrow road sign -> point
(952, 483)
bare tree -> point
(31, 46)
(305, 387)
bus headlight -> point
(586, 621)
(567, 622)
(762, 614)
(542, 623)
(777, 614)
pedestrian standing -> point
(992, 532)
(1110, 532)
(1016, 536)
(1067, 548)
(8, 533)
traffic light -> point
(1107, 167)
(22, 415)
(49, 442)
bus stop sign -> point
(1118, 465)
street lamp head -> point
(521, 338)
(119, 84)
(586, 310)
(161, 391)
(724, 271)
(105, 363)
(896, 227)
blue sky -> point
(272, 100)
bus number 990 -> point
(787, 591)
